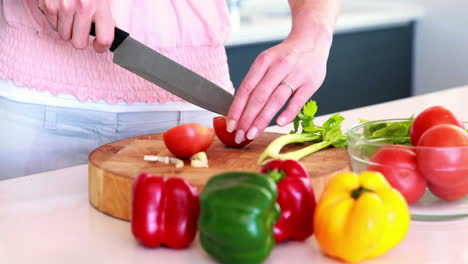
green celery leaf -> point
(390, 129)
(305, 118)
(400, 129)
(340, 142)
(335, 119)
(310, 108)
(312, 129)
(335, 135)
(371, 128)
(296, 123)
(389, 133)
(332, 132)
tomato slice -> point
(188, 139)
(398, 165)
(228, 139)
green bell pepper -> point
(237, 213)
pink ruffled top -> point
(191, 32)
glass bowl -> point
(442, 163)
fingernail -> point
(231, 125)
(239, 136)
(252, 133)
(281, 121)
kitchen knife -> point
(167, 74)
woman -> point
(61, 96)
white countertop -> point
(356, 15)
(46, 218)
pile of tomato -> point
(439, 160)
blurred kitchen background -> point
(383, 50)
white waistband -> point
(25, 95)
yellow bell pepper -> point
(360, 217)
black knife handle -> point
(119, 36)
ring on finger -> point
(292, 87)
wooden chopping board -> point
(112, 168)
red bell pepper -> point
(295, 197)
(164, 211)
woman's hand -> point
(295, 68)
(72, 20)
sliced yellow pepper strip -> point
(360, 217)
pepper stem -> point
(276, 175)
(356, 193)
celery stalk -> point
(329, 134)
(304, 152)
(273, 150)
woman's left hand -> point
(295, 68)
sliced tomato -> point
(219, 125)
(430, 117)
(398, 165)
(188, 139)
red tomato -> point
(450, 193)
(188, 139)
(399, 168)
(444, 135)
(430, 117)
(446, 163)
(219, 124)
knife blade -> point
(151, 65)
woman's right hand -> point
(72, 19)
